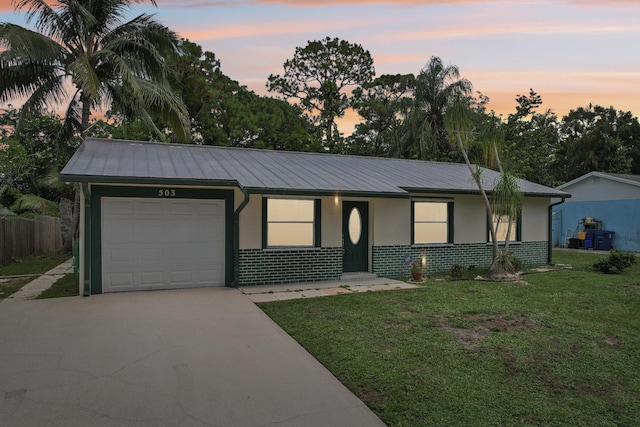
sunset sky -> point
(572, 52)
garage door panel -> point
(120, 207)
(179, 208)
(151, 278)
(119, 232)
(121, 280)
(121, 255)
(150, 208)
(154, 255)
(162, 244)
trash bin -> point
(603, 240)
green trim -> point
(139, 181)
(317, 223)
(415, 190)
(86, 277)
(98, 192)
(236, 238)
(264, 223)
(450, 222)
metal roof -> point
(266, 171)
(618, 177)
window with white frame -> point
(431, 222)
(290, 222)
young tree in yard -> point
(504, 201)
(86, 53)
(318, 76)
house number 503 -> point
(166, 192)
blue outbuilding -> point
(600, 203)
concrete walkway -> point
(352, 284)
(41, 283)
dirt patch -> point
(482, 325)
(611, 340)
(372, 397)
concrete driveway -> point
(200, 357)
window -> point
(291, 222)
(502, 222)
(432, 222)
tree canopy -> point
(318, 76)
(105, 59)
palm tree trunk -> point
(86, 115)
(485, 197)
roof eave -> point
(148, 181)
(560, 195)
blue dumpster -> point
(603, 240)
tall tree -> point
(104, 58)
(595, 138)
(425, 133)
(86, 45)
(531, 139)
(383, 104)
(222, 112)
(319, 75)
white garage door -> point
(162, 243)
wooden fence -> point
(20, 237)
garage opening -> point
(162, 243)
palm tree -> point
(85, 53)
(505, 198)
(437, 86)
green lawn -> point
(34, 265)
(66, 286)
(564, 350)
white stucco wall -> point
(331, 222)
(391, 221)
(250, 222)
(469, 219)
(535, 219)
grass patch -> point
(36, 264)
(33, 265)
(11, 286)
(560, 351)
(66, 286)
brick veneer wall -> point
(275, 266)
(388, 261)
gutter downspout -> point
(236, 237)
(550, 235)
(86, 278)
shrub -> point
(456, 271)
(508, 263)
(616, 262)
